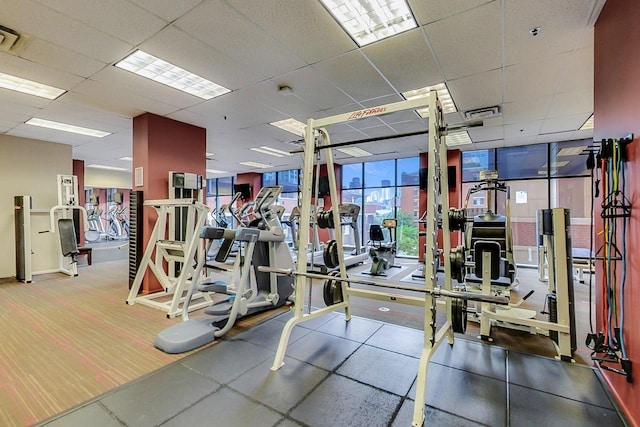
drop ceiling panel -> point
(222, 27)
(524, 129)
(309, 85)
(534, 79)
(69, 105)
(118, 18)
(20, 67)
(465, 44)
(132, 83)
(169, 10)
(554, 137)
(486, 133)
(401, 117)
(477, 91)
(354, 75)
(317, 35)
(561, 24)
(120, 100)
(568, 103)
(405, 60)
(181, 49)
(60, 58)
(22, 100)
(240, 111)
(40, 21)
(531, 109)
(410, 126)
(267, 94)
(563, 124)
(426, 11)
(579, 72)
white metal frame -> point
(558, 275)
(162, 249)
(437, 195)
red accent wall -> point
(454, 158)
(161, 145)
(78, 170)
(616, 112)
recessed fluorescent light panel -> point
(291, 125)
(448, 106)
(368, 21)
(215, 171)
(354, 152)
(66, 127)
(255, 165)
(588, 124)
(128, 159)
(458, 138)
(270, 151)
(111, 168)
(161, 71)
(30, 87)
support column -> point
(161, 145)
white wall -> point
(30, 167)
(102, 178)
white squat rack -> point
(437, 195)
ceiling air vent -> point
(482, 113)
(11, 41)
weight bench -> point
(85, 250)
(582, 261)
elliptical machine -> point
(382, 254)
(249, 291)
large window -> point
(539, 177)
(385, 189)
(219, 193)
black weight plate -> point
(330, 254)
(332, 290)
(459, 315)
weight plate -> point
(332, 290)
(459, 315)
(330, 254)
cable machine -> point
(336, 285)
(60, 215)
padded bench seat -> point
(85, 250)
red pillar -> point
(78, 171)
(161, 145)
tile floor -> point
(360, 373)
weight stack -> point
(135, 233)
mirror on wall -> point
(107, 215)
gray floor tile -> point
(288, 423)
(356, 329)
(381, 368)
(339, 401)
(281, 389)
(227, 360)
(158, 397)
(432, 417)
(525, 410)
(225, 408)
(268, 334)
(322, 350)
(476, 357)
(316, 322)
(92, 415)
(399, 339)
(568, 380)
(471, 396)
